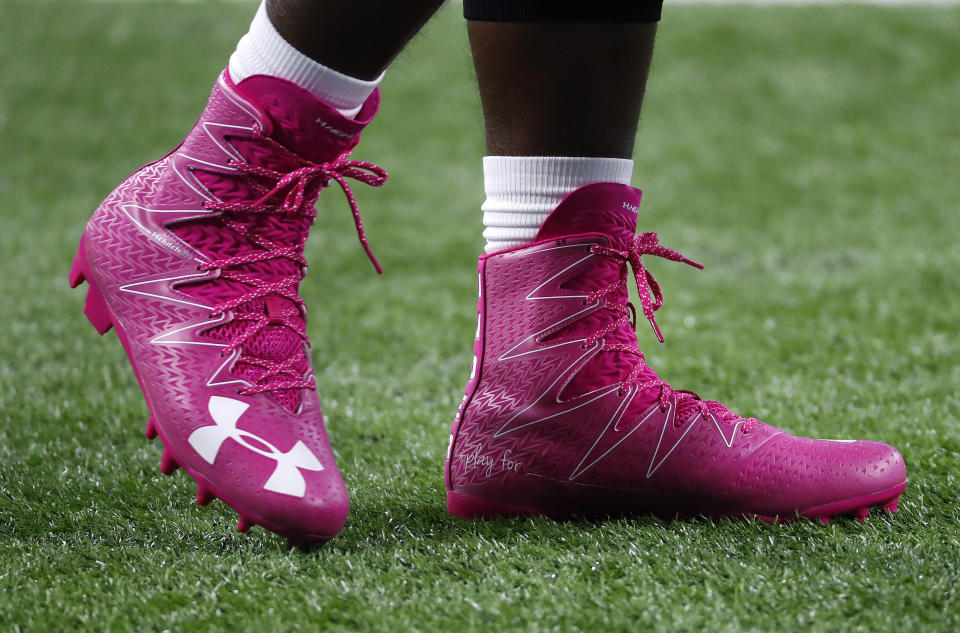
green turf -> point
(808, 156)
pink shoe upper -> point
(563, 415)
(199, 257)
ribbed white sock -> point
(523, 190)
(263, 51)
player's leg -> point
(562, 415)
(359, 39)
(196, 259)
(561, 101)
(562, 88)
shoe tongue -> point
(603, 207)
(611, 210)
(302, 122)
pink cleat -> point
(196, 261)
(563, 417)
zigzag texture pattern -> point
(526, 443)
(134, 262)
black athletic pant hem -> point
(557, 11)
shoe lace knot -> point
(651, 296)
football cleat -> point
(563, 417)
(195, 260)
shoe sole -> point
(468, 507)
(99, 315)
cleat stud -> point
(824, 519)
(96, 310)
(204, 496)
(76, 275)
(76, 269)
(891, 506)
(862, 514)
(167, 463)
(151, 431)
(243, 524)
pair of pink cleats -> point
(196, 261)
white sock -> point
(263, 51)
(523, 190)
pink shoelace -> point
(651, 299)
(293, 195)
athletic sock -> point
(263, 51)
(523, 190)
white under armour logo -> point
(286, 479)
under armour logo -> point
(286, 478)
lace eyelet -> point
(621, 393)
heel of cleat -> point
(244, 524)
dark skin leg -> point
(547, 88)
(561, 88)
(357, 38)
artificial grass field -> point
(810, 157)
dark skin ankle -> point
(561, 88)
(357, 38)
